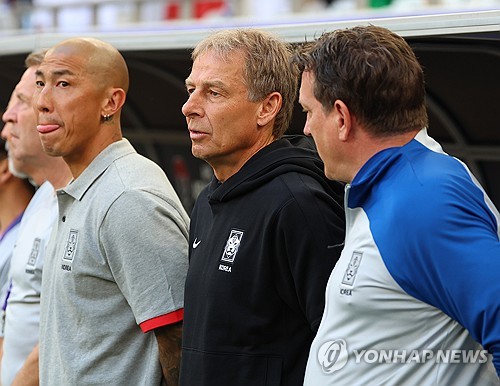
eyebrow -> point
(208, 84)
(22, 96)
(55, 73)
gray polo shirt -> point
(117, 258)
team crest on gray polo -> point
(71, 244)
(232, 246)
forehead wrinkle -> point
(63, 72)
(59, 73)
(216, 83)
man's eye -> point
(214, 93)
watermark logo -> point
(332, 355)
(421, 356)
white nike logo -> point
(196, 243)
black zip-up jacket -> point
(262, 246)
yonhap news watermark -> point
(334, 355)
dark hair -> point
(3, 150)
(374, 72)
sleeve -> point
(309, 237)
(144, 238)
(451, 258)
(163, 320)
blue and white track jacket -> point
(415, 296)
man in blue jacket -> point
(414, 298)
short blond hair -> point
(35, 58)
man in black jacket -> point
(268, 229)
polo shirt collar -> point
(77, 188)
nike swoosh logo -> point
(196, 243)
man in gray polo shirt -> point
(116, 264)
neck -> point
(78, 162)
(60, 175)
(56, 171)
(370, 145)
(230, 165)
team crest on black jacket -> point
(231, 249)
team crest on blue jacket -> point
(232, 246)
(352, 268)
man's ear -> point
(114, 102)
(269, 108)
(344, 119)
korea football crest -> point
(71, 244)
(33, 257)
(347, 285)
(352, 268)
(232, 246)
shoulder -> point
(422, 192)
(441, 185)
(41, 209)
(312, 204)
(134, 169)
(309, 190)
(421, 182)
(134, 176)
(45, 195)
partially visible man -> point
(266, 232)
(27, 158)
(15, 194)
(414, 298)
(118, 259)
